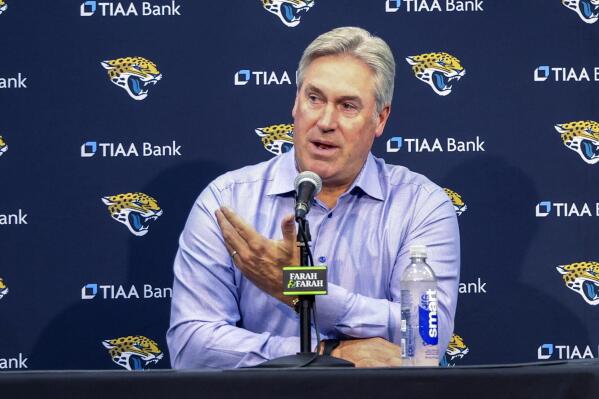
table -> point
(566, 379)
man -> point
(228, 309)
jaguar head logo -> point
(3, 6)
(456, 199)
(289, 11)
(455, 350)
(438, 70)
(587, 10)
(133, 352)
(3, 289)
(582, 278)
(3, 146)
(135, 210)
(581, 137)
(276, 139)
(136, 75)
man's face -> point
(335, 119)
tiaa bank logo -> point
(3, 146)
(290, 12)
(122, 9)
(120, 292)
(582, 278)
(3, 6)
(114, 150)
(456, 350)
(135, 75)
(434, 5)
(276, 139)
(581, 137)
(457, 201)
(566, 209)
(566, 74)
(450, 144)
(565, 352)
(438, 70)
(261, 78)
(137, 211)
(3, 288)
(587, 10)
(134, 352)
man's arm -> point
(342, 312)
(204, 312)
(434, 224)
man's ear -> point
(381, 120)
(294, 110)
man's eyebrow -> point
(309, 88)
(355, 99)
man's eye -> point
(313, 98)
(349, 107)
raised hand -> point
(260, 259)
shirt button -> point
(322, 259)
(330, 215)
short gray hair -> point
(359, 43)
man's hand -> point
(259, 259)
(369, 352)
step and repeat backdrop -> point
(116, 114)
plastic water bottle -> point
(419, 319)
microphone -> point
(307, 186)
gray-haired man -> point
(228, 309)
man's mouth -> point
(323, 145)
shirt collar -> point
(368, 179)
(283, 181)
(285, 172)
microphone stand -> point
(305, 358)
(306, 302)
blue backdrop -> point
(115, 115)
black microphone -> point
(307, 186)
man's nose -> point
(328, 118)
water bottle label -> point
(407, 334)
(427, 318)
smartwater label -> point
(427, 317)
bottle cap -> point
(418, 251)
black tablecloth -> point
(573, 379)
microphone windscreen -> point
(311, 177)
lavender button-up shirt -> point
(219, 319)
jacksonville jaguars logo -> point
(136, 75)
(276, 139)
(438, 70)
(457, 201)
(587, 10)
(582, 278)
(455, 350)
(3, 289)
(289, 11)
(135, 210)
(3, 6)
(3, 146)
(581, 137)
(133, 352)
